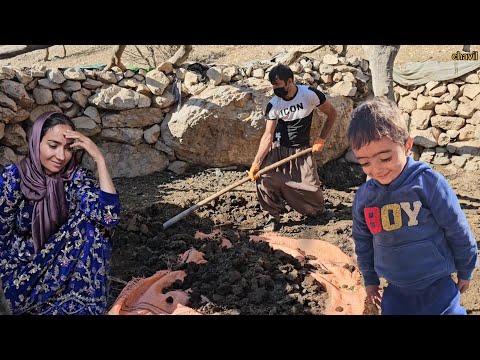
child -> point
(408, 226)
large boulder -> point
(223, 125)
(337, 142)
(124, 160)
(220, 126)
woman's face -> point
(55, 151)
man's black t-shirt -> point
(294, 116)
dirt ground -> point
(234, 281)
(221, 54)
(251, 278)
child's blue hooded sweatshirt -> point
(412, 232)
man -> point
(287, 131)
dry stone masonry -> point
(170, 117)
(444, 120)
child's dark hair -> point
(280, 72)
(375, 119)
(54, 120)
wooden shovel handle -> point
(232, 186)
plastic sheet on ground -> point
(418, 73)
(343, 281)
(145, 297)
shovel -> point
(232, 186)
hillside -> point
(225, 54)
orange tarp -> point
(339, 275)
(145, 297)
(346, 293)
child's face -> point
(383, 160)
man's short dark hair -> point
(280, 72)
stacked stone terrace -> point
(132, 115)
(444, 120)
(123, 111)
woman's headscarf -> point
(46, 191)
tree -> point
(116, 59)
(381, 59)
(181, 55)
(47, 53)
(9, 51)
(176, 60)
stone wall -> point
(134, 116)
(123, 112)
(444, 120)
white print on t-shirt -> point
(276, 143)
(297, 108)
(389, 216)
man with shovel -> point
(287, 132)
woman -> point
(54, 221)
(4, 309)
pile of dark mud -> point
(249, 278)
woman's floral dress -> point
(69, 274)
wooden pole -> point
(232, 186)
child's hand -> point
(463, 285)
(373, 294)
